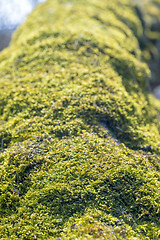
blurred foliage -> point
(80, 133)
(148, 12)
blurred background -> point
(13, 13)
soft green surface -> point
(80, 135)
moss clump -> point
(80, 133)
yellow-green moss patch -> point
(79, 134)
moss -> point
(80, 131)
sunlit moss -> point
(80, 133)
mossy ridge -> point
(80, 55)
(60, 166)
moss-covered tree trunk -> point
(80, 132)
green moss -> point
(80, 132)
